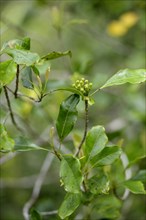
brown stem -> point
(9, 106)
(86, 127)
(17, 82)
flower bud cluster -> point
(84, 86)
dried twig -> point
(38, 185)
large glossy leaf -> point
(7, 72)
(95, 142)
(67, 116)
(17, 44)
(107, 156)
(70, 173)
(54, 55)
(126, 76)
(26, 77)
(6, 143)
(22, 56)
(135, 187)
(69, 205)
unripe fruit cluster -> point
(84, 86)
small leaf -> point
(34, 215)
(22, 144)
(70, 89)
(135, 187)
(35, 70)
(136, 160)
(91, 101)
(70, 173)
(126, 76)
(77, 21)
(69, 205)
(24, 57)
(26, 77)
(141, 176)
(55, 55)
(67, 116)
(98, 184)
(107, 156)
(17, 44)
(7, 72)
(6, 143)
(95, 142)
(43, 66)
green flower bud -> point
(82, 90)
(79, 85)
(86, 86)
(90, 85)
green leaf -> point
(95, 142)
(6, 143)
(106, 157)
(55, 55)
(34, 215)
(70, 174)
(106, 207)
(17, 44)
(43, 66)
(98, 184)
(136, 160)
(70, 89)
(8, 71)
(141, 176)
(22, 56)
(126, 76)
(22, 144)
(135, 187)
(35, 70)
(26, 77)
(67, 116)
(69, 205)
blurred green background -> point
(104, 37)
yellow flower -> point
(129, 19)
(116, 29)
(120, 27)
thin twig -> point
(9, 106)
(8, 157)
(38, 185)
(54, 212)
(17, 82)
(86, 127)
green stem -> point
(86, 127)
(97, 90)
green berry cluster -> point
(83, 85)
